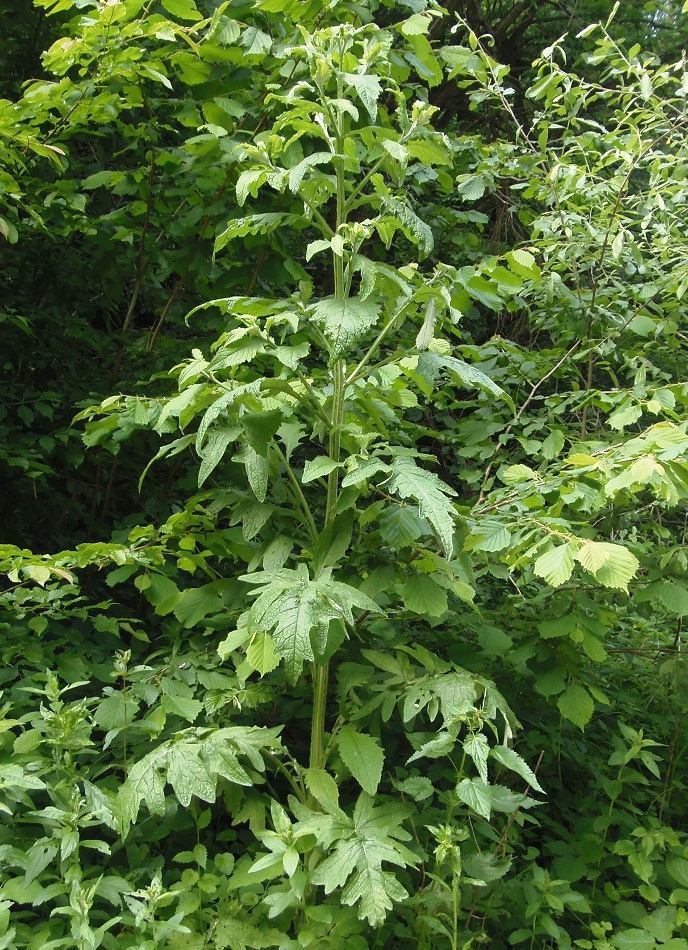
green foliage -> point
(389, 651)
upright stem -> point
(321, 670)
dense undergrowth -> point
(348, 609)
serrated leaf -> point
(188, 775)
(427, 330)
(478, 748)
(400, 525)
(429, 151)
(396, 150)
(476, 794)
(144, 783)
(261, 654)
(368, 89)
(374, 891)
(213, 451)
(257, 470)
(430, 492)
(345, 321)
(424, 596)
(674, 597)
(431, 364)
(492, 538)
(576, 704)
(298, 172)
(318, 468)
(552, 445)
(260, 428)
(556, 565)
(510, 759)
(362, 755)
(323, 788)
(522, 263)
(297, 611)
(611, 564)
(252, 224)
(634, 939)
(413, 227)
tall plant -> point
(348, 553)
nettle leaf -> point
(476, 793)
(368, 89)
(362, 755)
(430, 492)
(510, 759)
(478, 748)
(345, 321)
(556, 565)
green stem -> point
(321, 670)
(320, 680)
(298, 493)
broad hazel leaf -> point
(576, 705)
(611, 564)
(400, 525)
(556, 565)
(261, 654)
(362, 755)
(424, 596)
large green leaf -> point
(410, 481)
(556, 565)
(298, 611)
(345, 321)
(424, 596)
(360, 848)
